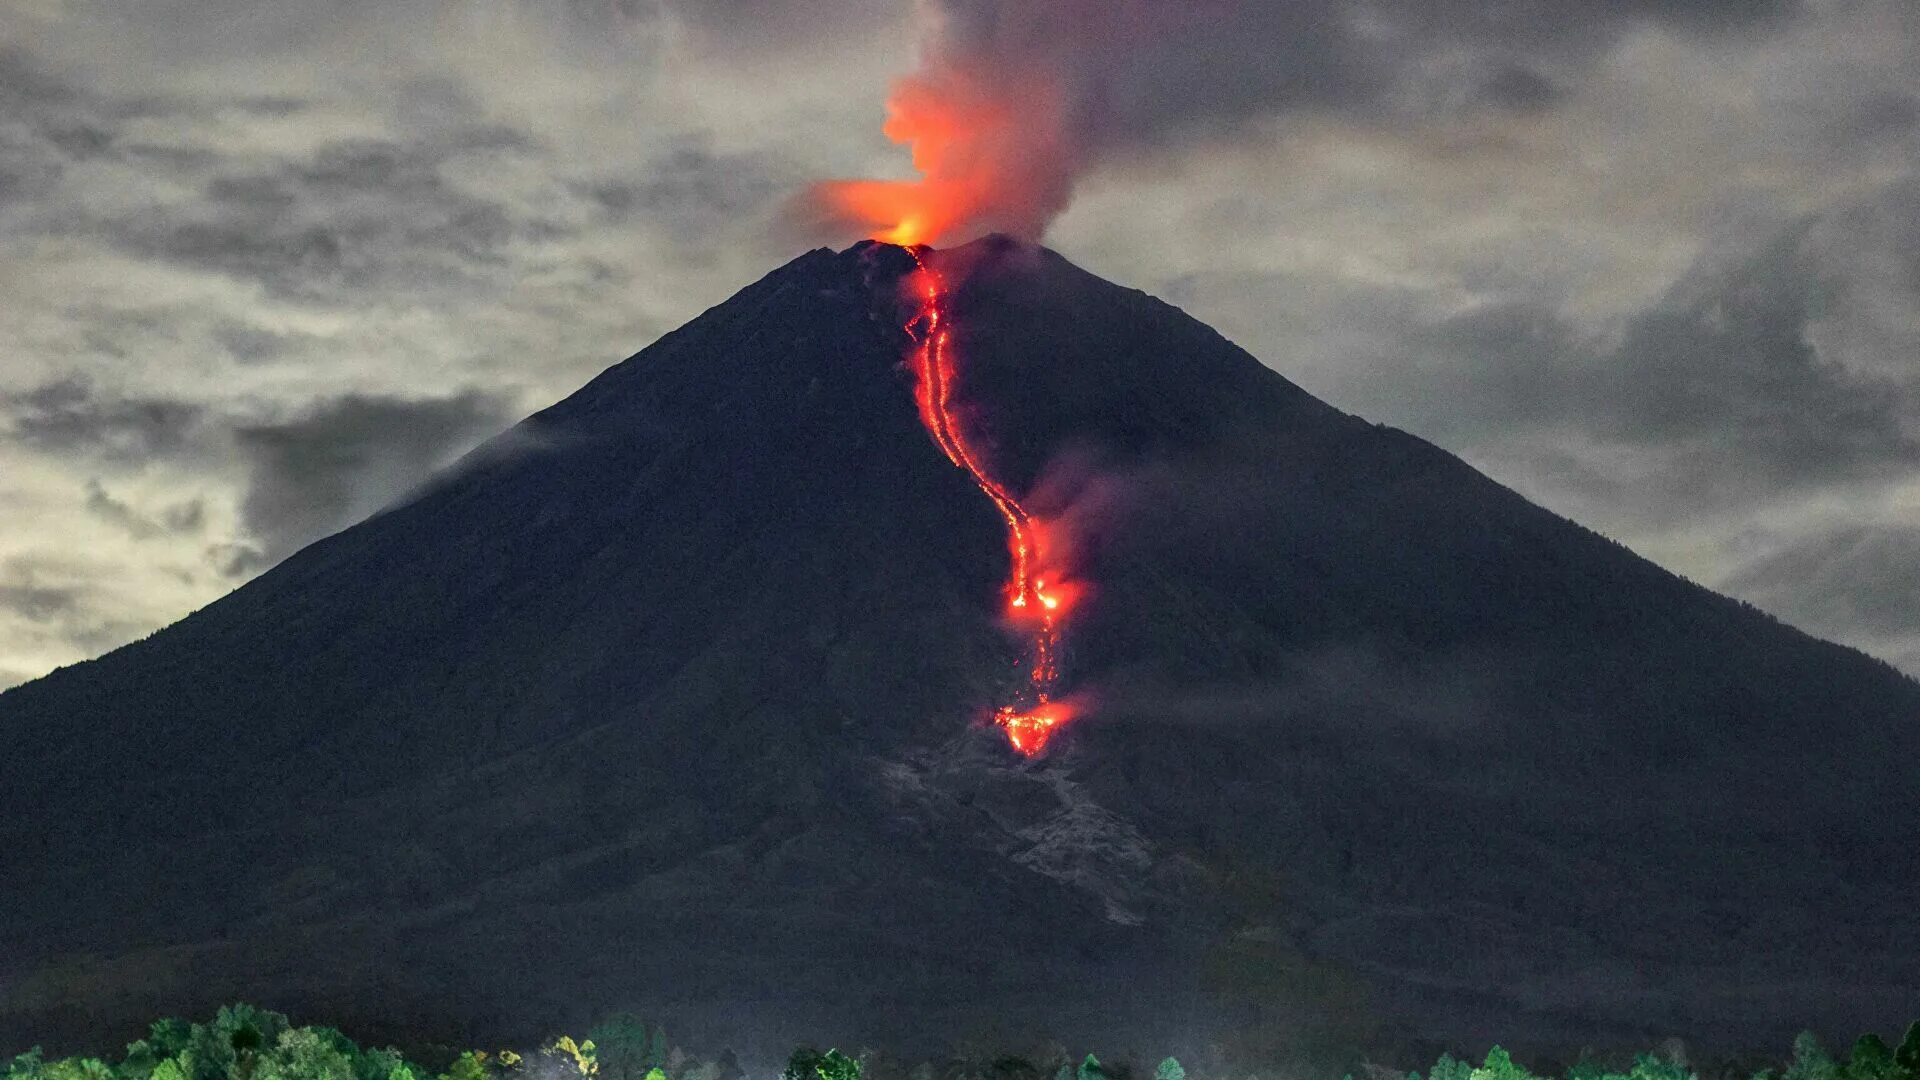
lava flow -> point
(1032, 607)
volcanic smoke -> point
(991, 135)
(1032, 606)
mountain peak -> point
(680, 699)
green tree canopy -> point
(1811, 1060)
(1908, 1056)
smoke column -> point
(999, 118)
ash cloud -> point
(1014, 103)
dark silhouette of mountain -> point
(671, 700)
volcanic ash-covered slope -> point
(670, 699)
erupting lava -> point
(1032, 606)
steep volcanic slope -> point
(671, 699)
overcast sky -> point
(1654, 263)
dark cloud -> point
(731, 27)
(1739, 369)
(1732, 379)
(354, 220)
(1854, 581)
(237, 561)
(40, 113)
(1158, 73)
(39, 603)
(347, 458)
(42, 594)
(174, 519)
(1517, 88)
(53, 125)
(251, 344)
(691, 192)
(71, 417)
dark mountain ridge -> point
(670, 700)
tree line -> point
(242, 1042)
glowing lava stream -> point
(1031, 606)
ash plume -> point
(1015, 101)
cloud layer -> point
(1650, 262)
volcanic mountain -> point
(675, 698)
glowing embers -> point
(1029, 731)
(1034, 608)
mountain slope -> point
(669, 700)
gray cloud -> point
(70, 416)
(692, 191)
(1737, 376)
(39, 603)
(356, 218)
(178, 518)
(1852, 582)
(346, 458)
(1855, 580)
(1175, 73)
(250, 344)
(52, 607)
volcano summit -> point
(679, 699)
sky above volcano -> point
(1654, 263)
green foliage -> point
(1011, 1067)
(834, 1065)
(24, 1066)
(625, 1049)
(308, 1054)
(1908, 1056)
(168, 1070)
(1447, 1068)
(1588, 1069)
(1500, 1066)
(1654, 1067)
(801, 1064)
(1811, 1060)
(810, 1064)
(467, 1066)
(245, 1043)
(33, 1066)
(1873, 1059)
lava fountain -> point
(1033, 607)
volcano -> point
(678, 698)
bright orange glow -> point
(1035, 606)
(988, 151)
(1029, 731)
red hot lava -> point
(1033, 606)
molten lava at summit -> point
(1034, 607)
